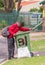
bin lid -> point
(21, 33)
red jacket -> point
(15, 28)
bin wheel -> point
(31, 54)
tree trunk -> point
(8, 4)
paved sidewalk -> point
(3, 49)
(37, 36)
(37, 33)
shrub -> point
(4, 24)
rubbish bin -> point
(23, 44)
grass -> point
(38, 45)
(40, 60)
(37, 60)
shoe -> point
(9, 58)
(13, 57)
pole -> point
(37, 26)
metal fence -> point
(10, 18)
(30, 19)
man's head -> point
(21, 24)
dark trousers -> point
(11, 47)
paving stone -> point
(2, 59)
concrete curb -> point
(3, 62)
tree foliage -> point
(36, 9)
(40, 9)
(43, 2)
(1, 3)
(33, 10)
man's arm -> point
(25, 29)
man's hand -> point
(30, 28)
